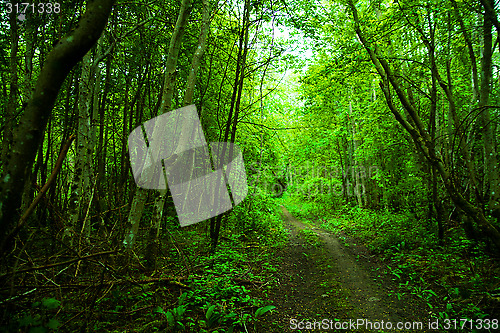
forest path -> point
(325, 281)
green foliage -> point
(382, 231)
(39, 319)
(212, 316)
(310, 237)
(50, 303)
(307, 210)
(220, 300)
(259, 219)
(175, 316)
(260, 311)
(320, 133)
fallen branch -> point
(129, 312)
(13, 298)
(166, 280)
(31, 269)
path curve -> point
(327, 282)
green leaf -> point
(51, 303)
(260, 311)
(182, 298)
(26, 320)
(160, 310)
(53, 324)
(210, 312)
(170, 318)
(432, 292)
(180, 311)
(214, 319)
(38, 329)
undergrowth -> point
(459, 279)
(191, 289)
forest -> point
(250, 166)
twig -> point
(167, 280)
(70, 319)
(113, 44)
(83, 225)
(129, 312)
(31, 208)
(13, 298)
(59, 263)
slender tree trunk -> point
(261, 144)
(101, 148)
(154, 232)
(359, 187)
(491, 193)
(81, 184)
(31, 28)
(140, 196)
(28, 134)
(343, 174)
(436, 203)
(490, 154)
(216, 221)
(127, 113)
(12, 103)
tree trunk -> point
(153, 242)
(12, 103)
(101, 146)
(343, 174)
(140, 196)
(359, 186)
(28, 134)
(81, 185)
(490, 154)
(216, 221)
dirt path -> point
(324, 285)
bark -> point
(198, 54)
(154, 232)
(140, 196)
(359, 186)
(490, 154)
(101, 146)
(80, 187)
(28, 134)
(12, 103)
(215, 222)
(88, 106)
